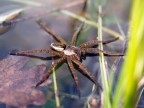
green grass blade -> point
(56, 90)
(133, 67)
(92, 23)
(105, 86)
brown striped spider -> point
(71, 53)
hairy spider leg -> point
(75, 35)
(27, 52)
(89, 50)
(74, 75)
(46, 76)
(81, 66)
(96, 42)
(39, 57)
(57, 37)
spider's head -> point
(58, 46)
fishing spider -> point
(71, 53)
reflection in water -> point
(11, 12)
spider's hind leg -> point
(46, 76)
(82, 67)
(74, 75)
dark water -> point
(28, 35)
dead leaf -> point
(17, 85)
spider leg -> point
(57, 37)
(89, 50)
(96, 42)
(39, 57)
(46, 76)
(76, 33)
(28, 52)
(81, 66)
(74, 75)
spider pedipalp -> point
(58, 46)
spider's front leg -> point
(76, 33)
(28, 52)
(46, 29)
(96, 42)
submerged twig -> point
(92, 23)
(66, 6)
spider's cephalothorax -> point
(70, 53)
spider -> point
(71, 54)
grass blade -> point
(133, 68)
(105, 85)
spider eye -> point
(58, 46)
